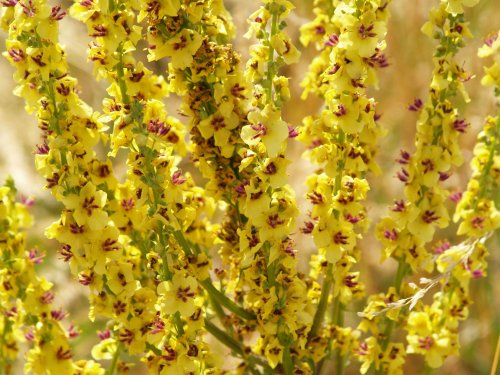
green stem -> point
(167, 275)
(489, 164)
(220, 313)
(340, 167)
(181, 240)
(114, 363)
(54, 121)
(4, 362)
(271, 69)
(214, 293)
(121, 75)
(221, 298)
(400, 274)
(428, 370)
(224, 338)
(339, 321)
(319, 316)
(153, 348)
(287, 361)
(236, 347)
(179, 324)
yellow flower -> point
(433, 163)
(368, 353)
(363, 34)
(104, 349)
(176, 360)
(478, 221)
(274, 352)
(179, 294)
(272, 225)
(121, 278)
(88, 207)
(284, 47)
(394, 359)
(219, 127)
(256, 65)
(274, 170)
(266, 126)
(347, 111)
(456, 6)
(256, 201)
(435, 343)
(88, 368)
(426, 218)
(335, 237)
(51, 358)
(164, 8)
(180, 49)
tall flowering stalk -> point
(214, 98)
(428, 333)
(28, 314)
(177, 211)
(478, 217)
(343, 141)
(176, 257)
(411, 225)
(276, 292)
(98, 255)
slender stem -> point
(179, 324)
(153, 348)
(400, 274)
(214, 293)
(181, 240)
(236, 347)
(319, 316)
(167, 274)
(271, 69)
(489, 163)
(114, 363)
(224, 338)
(220, 314)
(340, 167)
(339, 321)
(54, 121)
(496, 358)
(339, 360)
(121, 75)
(287, 361)
(221, 298)
(4, 362)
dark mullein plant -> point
(196, 243)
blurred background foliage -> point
(410, 56)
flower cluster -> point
(343, 141)
(413, 221)
(275, 291)
(193, 238)
(105, 226)
(28, 314)
(428, 334)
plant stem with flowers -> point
(145, 243)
